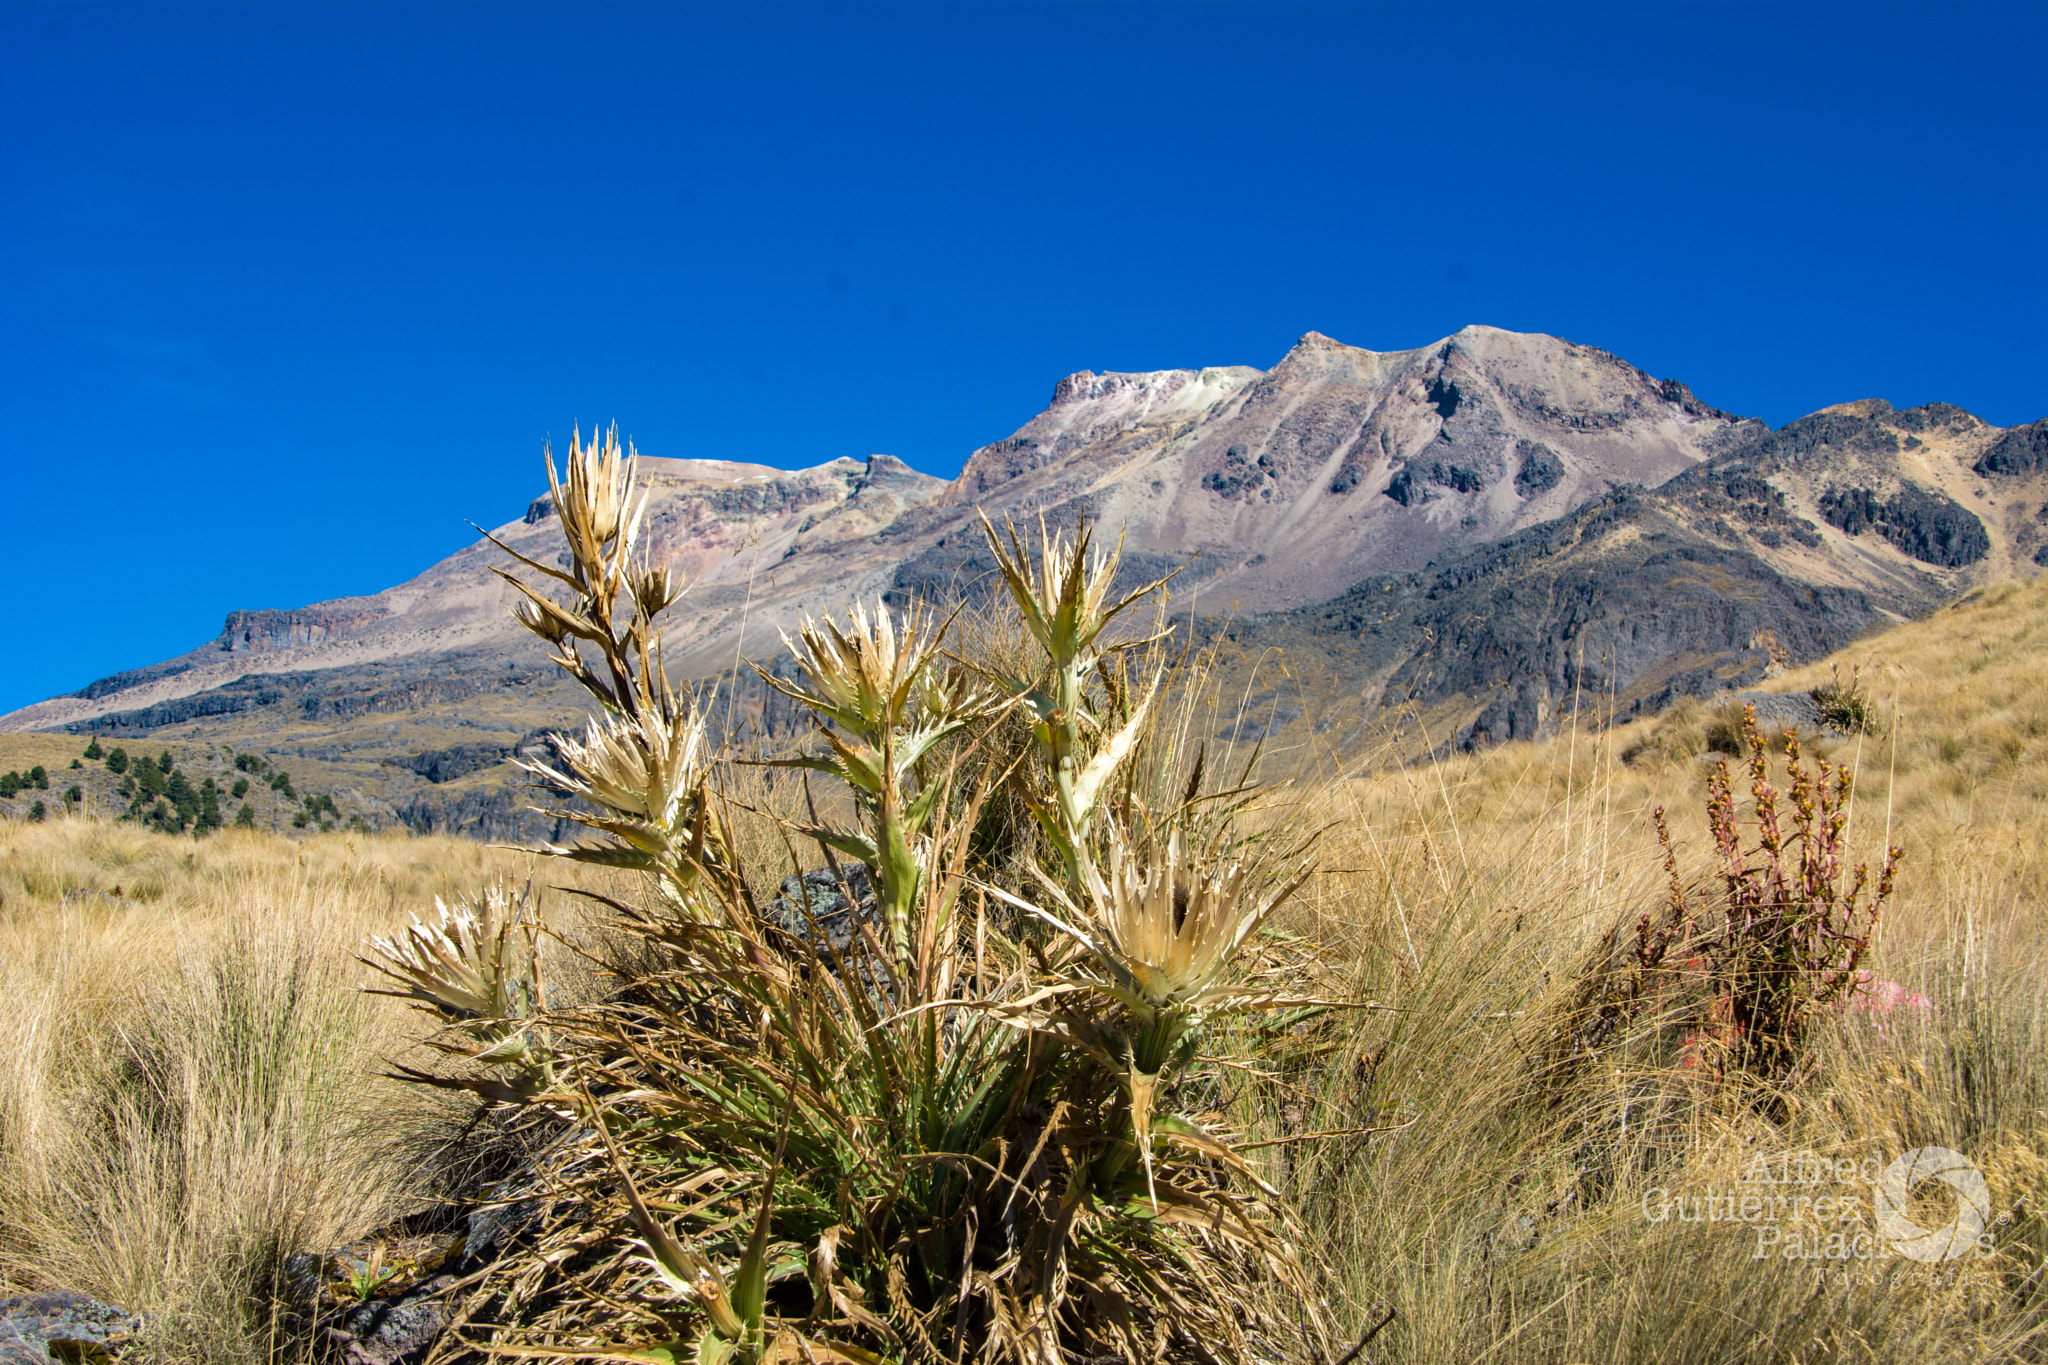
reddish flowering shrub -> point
(1792, 924)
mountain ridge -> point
(1217, 462)
(1451, 529)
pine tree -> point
(40, 776)
(209, 806)
(37, 812)
(93, 750)
(245, 818)
(184, 799)
(117, 761)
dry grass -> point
(187, 1072)
(185, 1093)
(1505, 1218)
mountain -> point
(1779, 550)
(1437, 527)
(1361, 461)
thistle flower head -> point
(1174, 921)
(595, 496)
(646, 776)
(1063, 591)
(863, 678)
(646, 767)
(1164, 925)
(656, 589)
(951, 694)
(465, 965)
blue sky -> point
(293, 290)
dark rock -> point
(445, 765)
(133, 677)
(1735, 492)
(499, 814)
(1799, 440)
(399, 1330)
(1241, 475)
(1619, 600)
(1929, 527)
(491, 1229)
(2022, 450)
(1444, 394)
(1849, 510)
(1674, 391)
(772, 497)
(1538, 468)
(1931, 417)
(836, 918)
(334, 693)
(1457, 476)
(34, 1327)
(244, 694)
(268, 630)
(1407, 487)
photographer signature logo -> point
(1892, 1196)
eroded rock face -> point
(1931, 528)
(2020, 450)
(261, 632)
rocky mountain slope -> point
(1357, 460)
(1780, 550)
(1442, 527)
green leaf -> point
(668, 1353)
(850, 842)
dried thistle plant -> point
(940, 1143)
(1161, 930)
(1064, 596)
(645, 778)
(477, 968)
(882, 705)
(641, 765)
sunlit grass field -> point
(192, 1087)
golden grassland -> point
(1475, 889)
(190, 1087)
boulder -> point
(58, 1325)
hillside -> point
(1767, 557)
